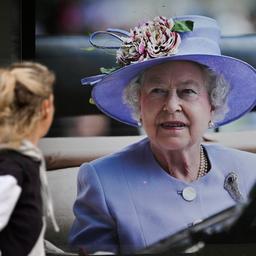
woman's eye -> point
(189, 94)
(158, 91)
(189, 91)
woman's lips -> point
(173, 125)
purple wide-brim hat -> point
(200, 45)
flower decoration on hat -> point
(153, 39)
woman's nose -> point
(173, 103)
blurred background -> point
(62, 28)
(69, 17)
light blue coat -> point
(126, 201)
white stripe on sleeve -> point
(9, 195)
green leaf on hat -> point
(183, 26)
(108, 70)
(91, 101)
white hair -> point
(216, 85)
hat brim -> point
(108, 93)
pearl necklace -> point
(203, 168)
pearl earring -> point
(139, 123)
(211, 124)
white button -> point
(189, 194)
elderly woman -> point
(176, 84)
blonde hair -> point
(23, 87)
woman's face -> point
(174, 105)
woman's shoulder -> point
(220, 151)
(126, 155)
(222, 148)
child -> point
(26, 113)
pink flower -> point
(150, 40)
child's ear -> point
(47, 106)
